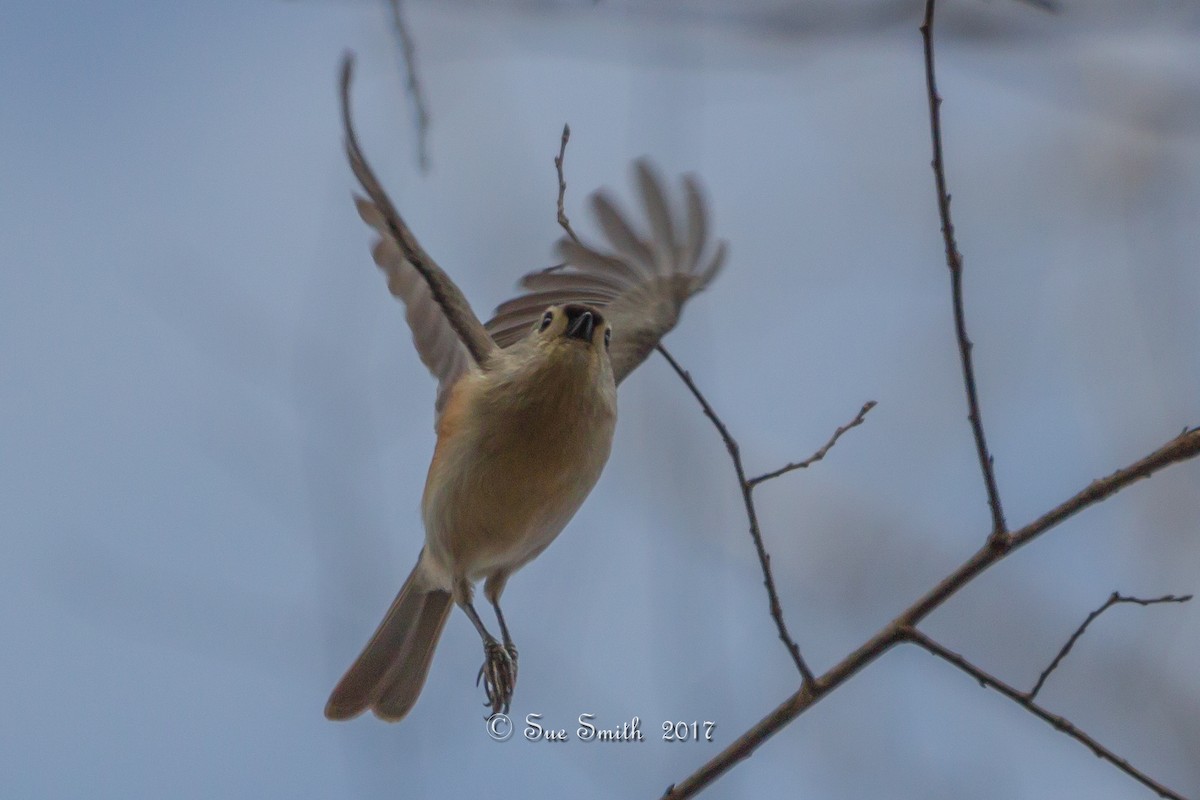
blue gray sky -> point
(214, 430)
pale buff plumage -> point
(519, 448)
(529, 437)
(526, 408)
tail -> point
(389, 674)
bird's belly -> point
(495, 501)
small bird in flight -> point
(526, 407)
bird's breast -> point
(514, 461)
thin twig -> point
(746, 486)
(1026, 701)
(408, 51)
(764, 558)
(820, 454)
(1183, 447)
(1112, 600)
(954, 262)
(731, 445)
(562, 183)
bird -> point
(525, 412)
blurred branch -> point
(1182, 448)
(1026, 701)
(955, 263)
(408, 51)
(1113, 600)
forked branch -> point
(1025, 700)
(1000, 543)
(1182, 448)
(747, 489)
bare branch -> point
(562, 183)
(954, 261)
(1112, 600)
(746, 486)
(747, 489)
(820, 454)
(1000, 542)
(1026, 701)
(408, 51)
(1181, 448)
(731, 445)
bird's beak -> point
(582, 326)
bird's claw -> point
(499, 675)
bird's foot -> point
(499, 675)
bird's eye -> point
(607, 338)
(547, 318)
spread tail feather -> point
(388, 675)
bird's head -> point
(574, 326)
(571, 337)
(564, 353)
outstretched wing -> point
(446, 332)
(640, 284)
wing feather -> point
(433, 304)
(588, 260)
(665, 246)
(555, 278)
(633, 250)
(640, 283)
(697, 222)
(445, 330)
(538, 301)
